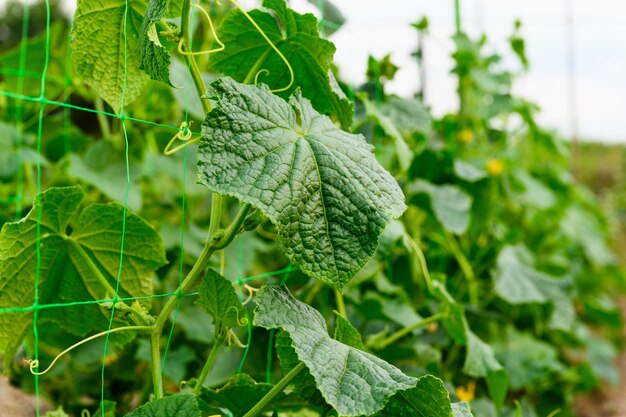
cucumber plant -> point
(292, 274)
(321, 187)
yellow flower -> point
(467, 392)
(466, 136)
(495, 167)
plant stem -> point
(155, 354)
(406, 330)
(422, 261)
(465, 266)
(207, 366)
(277, 389)
(196, 75)
(234, 227)
(105, 129)
(341, 305)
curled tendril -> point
(272, 45)
(33, 364)
(261, 71)
(240, 321)
(185, 135)
(213, 33)
(251, 292)
(85, 413)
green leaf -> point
(528, 361)
(104, 40)
(403, 152)
(480, 360)
(73, 245)
(450, 204)
(332, 18)
(107, 177)
(518, 282)
(297, 37)
(58, 413)
(154, 58)
(322, 187)
(461, 410)
(182, 405)
(350, 380)
(408, 115)
(428, 398)
(239, 395)
(468, 172)
(346, 333)
(38, 56)
(219, 299)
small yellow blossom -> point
(432, 327)
(467, 392)
(495, 167)
(466, 136)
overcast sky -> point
(375, 27)
(380, 27)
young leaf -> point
(350, 380)
(518, 282)
(219, 299)
(154, 58)
(104, 41)
(346, 333)
(297, 37)
(322, 187)
(450, 204)
(428, 398)
(68, 261)
(181, 405)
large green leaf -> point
(297, 37)
(72, 244)
(322, 187)
(350, 380)
(182, 405)
(518, 282)
(154, 58)
(218, 297)
(104, 44)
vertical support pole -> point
(572, 96)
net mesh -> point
(44, 107)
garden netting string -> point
(48, 105)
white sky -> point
(380, 27)
(377, 28)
